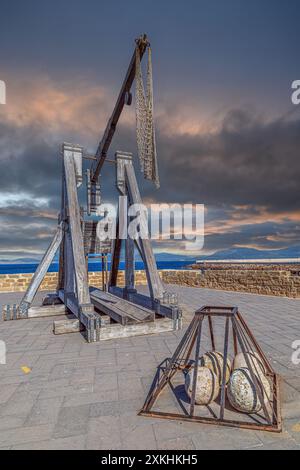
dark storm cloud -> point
(29, 163)
(32, 238)
(248, 161)
(263, 236)
(209, 55)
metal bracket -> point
(93, 194)
(11, 312)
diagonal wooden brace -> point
(40, 272)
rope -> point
(145, 132)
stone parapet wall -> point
(295, 267)
(20, 282)
(285, 282)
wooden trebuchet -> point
(96, 310)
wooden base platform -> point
(116, 317)
(115, 330)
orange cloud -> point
(78, 106)
(244, 215)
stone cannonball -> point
(214, 360)
(207, 385)
(241, 391)
(254, 359)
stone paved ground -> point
(86, 396)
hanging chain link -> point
(145, 132)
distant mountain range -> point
(252, 253)
(233, 253)
(19, 261)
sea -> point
(24, 268)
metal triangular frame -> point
(239, 337)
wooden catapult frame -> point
(238, 337)
(76, 239)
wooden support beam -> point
(122, 158)
(155, 285)
(115, 258)
(61, 268)
(69, 271)
(127, 185)
(129, 266)
(80, 270)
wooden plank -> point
(61, 327)
(47, 311)
(140, 311)
(115, 331)
(120, 310)
(145, 301)
(113, 312)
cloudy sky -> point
(228, 135)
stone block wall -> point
(285, 282)
(20, 282)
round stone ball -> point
(207, 385)
(241, 391)
(214, 360)
(254, 359)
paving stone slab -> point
(72, 421)
(75, 389)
